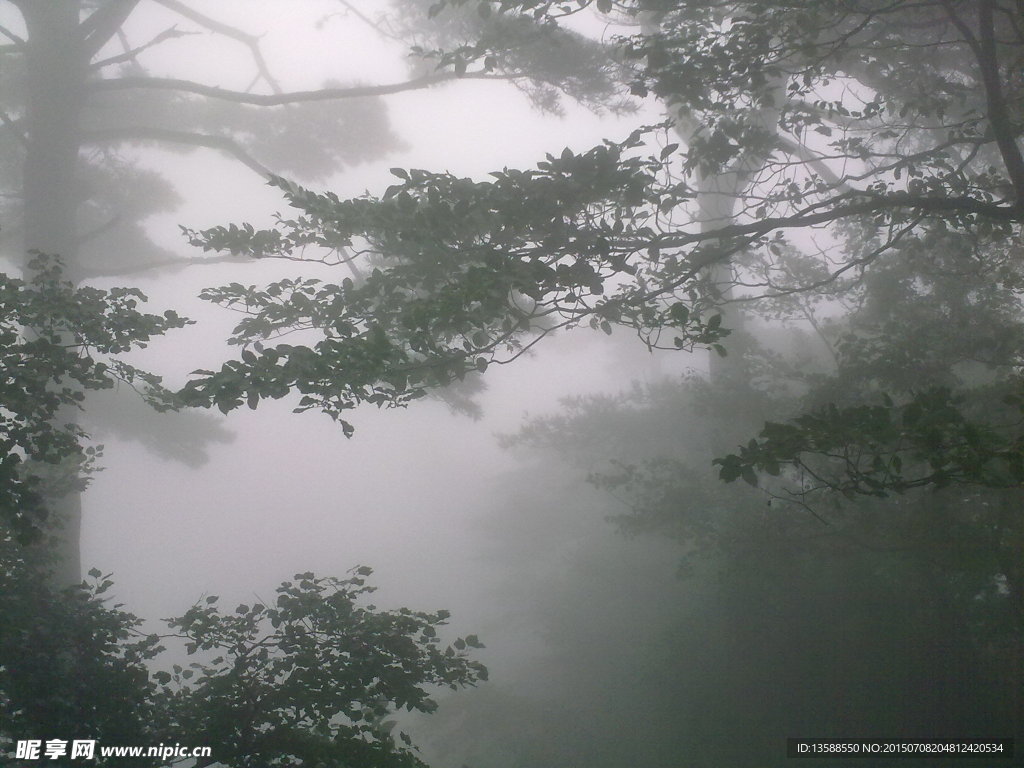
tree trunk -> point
(56, 69)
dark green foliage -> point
(473, 268)
(863, 127)
(880, 615)
(57, 342)
(310, 680)
(883, 449)
(71, 666)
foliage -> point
(466, 284)
(58, 342)
(872, 132)
(852, 169)
(545, 62)
(882, 449)
(886, 615)
(71, 666)
(311, 679)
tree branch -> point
(946, 205)
(171, 263)
(103, 25)
(279, 99)
(130, 54)
(146, 133)
(16, 39)
(983, 46)
(251, 41)
(375, 26)
(998, 115)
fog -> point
(635, 609)
(407, 494)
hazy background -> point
(608, 646)
(419, 494)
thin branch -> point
(806, 218)
(251, 41)
(146, 133)
(375, 26)
(806, 157)
(131, 54)
(861, 261)
(295, 97)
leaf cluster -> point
(471, 274)
(312, 679)
(875, 450)
(56, 343)
(72, 666)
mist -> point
(684, 379)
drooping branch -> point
(294, 97)
(165, 135)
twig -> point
(251, 41)
(129, 55)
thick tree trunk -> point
(56, 68)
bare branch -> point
(376, 26)
(146, 133)
(279, 99)
(131, 54)
(103, 24)
(16, 39)
(251, 41)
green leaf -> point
(749, 476)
